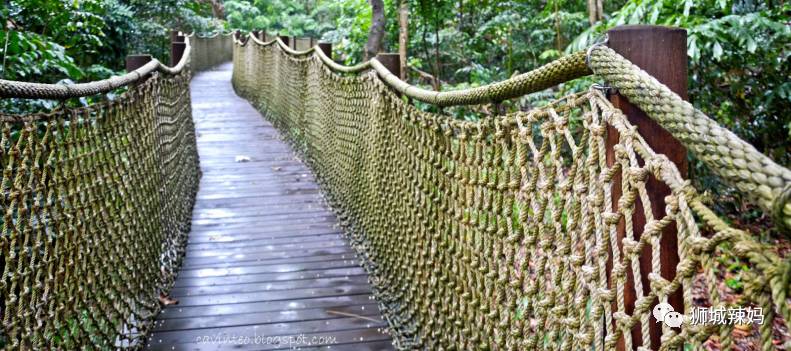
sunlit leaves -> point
(30, 55)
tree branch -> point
(377, 30)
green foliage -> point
(47, 37)
(344, 23)
(67, 41)
(32, 55)
(350, 30)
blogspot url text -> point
(289, 340)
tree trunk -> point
(217, 8)
(600, 9)
(558, 35)
(403, 35)
(377, 30)
(595, 11)
(437, 63)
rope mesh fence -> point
(96, 207)
(501, 234)
(210, 51)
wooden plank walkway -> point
(265, 258)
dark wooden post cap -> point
(326, 48)
(391, 61)
(286, 40)
(176, 52)
(659, 50)
(134, 62)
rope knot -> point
(639, 174)
(597, 130)
(781, 210)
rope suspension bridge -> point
(351, 218)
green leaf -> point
(687, 6)
(751, 45)
(723, 4)
(692, 48)
(549, 54)
(717, 51)
(734, 283)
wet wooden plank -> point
(355, 339)
(273, 329)
(265, 306)
(293, 234)
(306, 236)
(341, 272)
(371, 311)
(313, 283)
(268, 257)
(274, 268)
(316, 215)
(267, 228)
(263, 248)
(265, 256)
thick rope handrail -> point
(210, 35)
(559, 71)
(562, 70)
(734, 160)
(28, 90)
(731, 158)
(337, 67)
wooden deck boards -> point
(265, 256)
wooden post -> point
(662, 52)
(262, 35)
(326, 48)
(286, 40)
(174, 34)
(292, 42)
(177, 47)
(391, 61)
(134, 62)
(302, 44)
(176, 52)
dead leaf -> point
(166, 300)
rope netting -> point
(502, 234)
(96, 206)
(210, 51)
